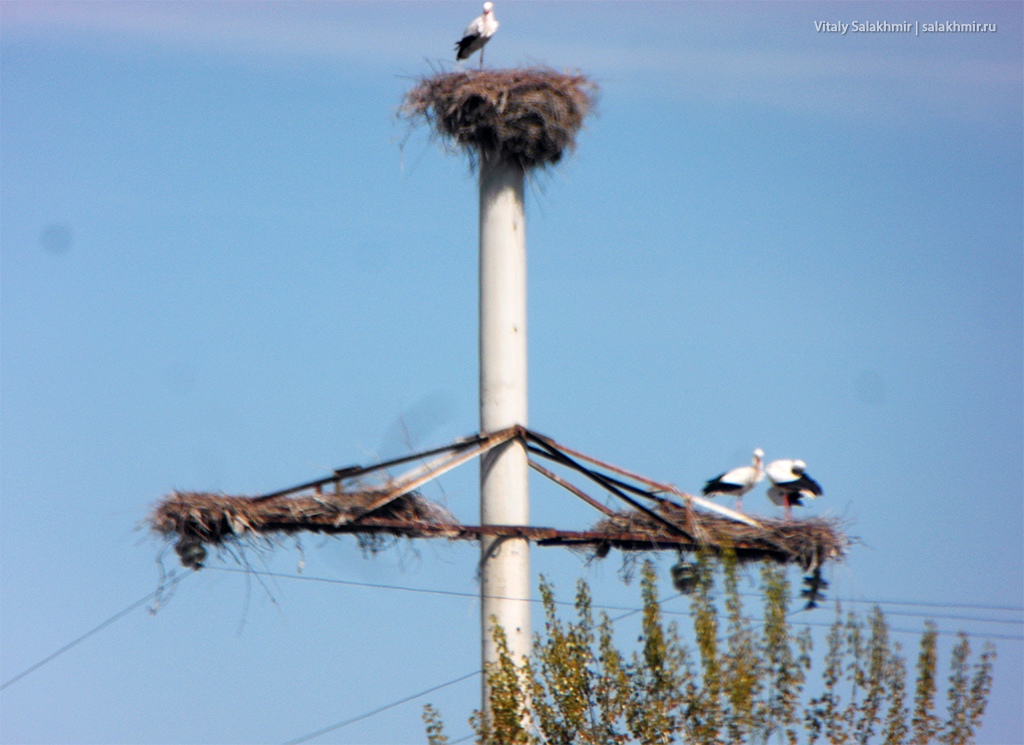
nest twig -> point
(808, 543)
(528, 116)
(196, 518)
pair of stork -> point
(790, 483)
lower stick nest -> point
(809, 543)
(197, 518)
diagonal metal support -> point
(550, 451)
(351, 472)
(662, 487)
(427, 472)
(570, 488)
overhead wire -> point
(171, 582)
(174, 580)
(923, 604)
(463, 594)
(367, 715)
(917, 632)
(404, 588)
(454, 593)
(379, 710)
(948, 617)
(629, 610)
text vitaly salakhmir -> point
(908, 27)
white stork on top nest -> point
(738, 481)
(478, 32)
(790, 484)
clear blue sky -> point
(225, 266)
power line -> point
(403, 588)
(305, 738)
(924, 604)
(633, 611)
(930, 616)
(455, 593)
(367, 715)
(946, 617)
(918, 632)
(972, 606)
(96, 629)
(630, 610)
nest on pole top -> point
(528, 116)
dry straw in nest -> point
(197, 518)
(528, 116)
(808, 543)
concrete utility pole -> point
(504, 496)
(510, 121)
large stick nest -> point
(809, 542)
(528, 116)
(197, 518)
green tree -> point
(743, 684)
(925, 725)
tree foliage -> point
(746, 682)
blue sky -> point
(226, 266)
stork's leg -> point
(482, 57)
(739, 504)
(789, 511)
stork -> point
(790, 484)
(738, 481)
(478, 32)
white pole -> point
(504, 499)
